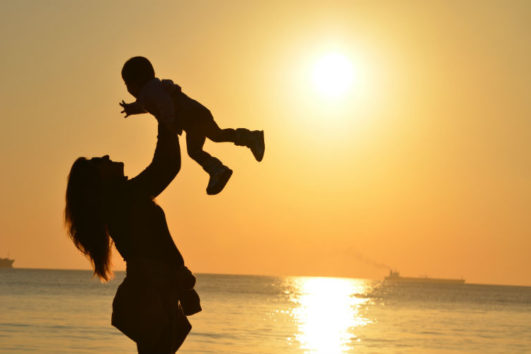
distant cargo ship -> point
(394, 277)
(6, 263)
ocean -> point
(68, 311)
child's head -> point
(136, 72)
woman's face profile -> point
(109, 170)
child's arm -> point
(132, 108)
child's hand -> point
(126, 108)
(131, 108)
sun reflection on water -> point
(327, 312)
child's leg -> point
(241, 136)
(194, 145)
(212, 131)
(219, 174)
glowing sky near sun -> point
(332, 75)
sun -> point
(333, 75)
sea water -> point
(67, 311)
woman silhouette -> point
(104, 206)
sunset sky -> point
(398, 133)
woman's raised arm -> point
(164, 166)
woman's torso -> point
(139, 230)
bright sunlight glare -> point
(329, 313)
(333, 75)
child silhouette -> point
(165, 100)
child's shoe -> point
(254, 140)
(218, 179)
(257, 144)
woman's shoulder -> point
(130, 197)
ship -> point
(6, 263)
(395, 277)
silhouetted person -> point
(168, 103)
(102, 206)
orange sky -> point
(423, 166)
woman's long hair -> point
(84, 216)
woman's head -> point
(87, 190)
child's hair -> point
(138, 70)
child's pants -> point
(206, 127)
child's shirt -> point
(166, 101)
(156, 98)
